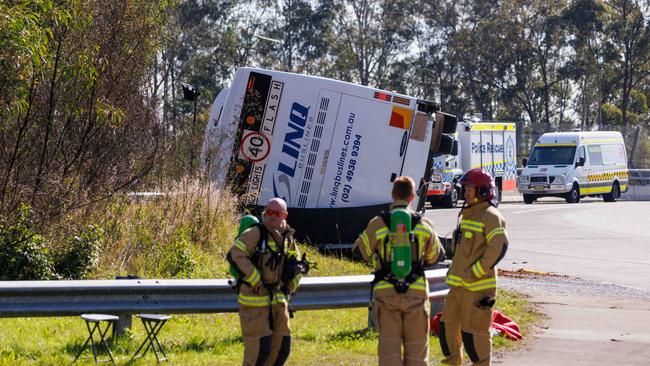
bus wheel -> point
(529, 198)
(573, 196)
(614, 194)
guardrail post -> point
(436, 307)
(372, 321)
(124, 323)
(125, 320)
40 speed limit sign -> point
(255, 146)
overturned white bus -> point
(331, 149)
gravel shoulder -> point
(588, 322)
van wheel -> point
(529, 198)
(573, 196)
(614, 194)
(451, 200)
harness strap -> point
(385, 273)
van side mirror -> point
(524, 161)
(580, 162)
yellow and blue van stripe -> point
(608, 176)
(600, 183)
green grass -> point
(322, 337)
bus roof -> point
(343, 86)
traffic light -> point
(442, 139)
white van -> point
(330, 149)
(572, 165)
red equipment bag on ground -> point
(501, 324)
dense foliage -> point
(91, 102)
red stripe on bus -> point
(434, 192)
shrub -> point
(23, 252)
(80, 254)
(177, 256)
(183, 233)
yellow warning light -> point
(250, 120)
(239, 168)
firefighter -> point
(480, 242)
(401, 307)
(260, 255)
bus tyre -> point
(451, 200)
(573, 196)
(529, 198)
(614, 194)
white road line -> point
(539, 209)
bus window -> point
(595, 155)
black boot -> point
(285, 349)
(265, 350)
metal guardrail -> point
(639, 177)
(68, 298)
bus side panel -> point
(292, 131)
(215, 152)
(313, 170)
(365, 151)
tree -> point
(628, 35)
(80, 126)
(374, 34)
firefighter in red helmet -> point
(480, 242)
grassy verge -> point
(322, 337)
(186, 235)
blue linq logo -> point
(290, 152)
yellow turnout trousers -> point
(402, 318)
(463, 322)
(255, 326)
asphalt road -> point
(600, 313)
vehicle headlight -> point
(523, 179)
(436, 178)
(559, 179)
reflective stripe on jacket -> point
(483, 243)
(242, 252)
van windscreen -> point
(552, 155)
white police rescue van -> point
(487, 145)
(572, 165)
(330, 149)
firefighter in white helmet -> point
(261, 255)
